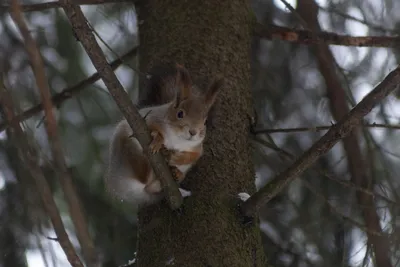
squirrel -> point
(177, 122)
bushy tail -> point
(126, 155)
(118, 142)
(160, 88)
(128, 169)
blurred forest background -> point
(317, 221)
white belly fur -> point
(174, 142)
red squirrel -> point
(178, 124)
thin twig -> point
(55, 4)
(349, 17)
(135, 121)
(294, 12)
(308, 37)
(27, 154)
(319, 171)
(340, 214)
(321, 128)
(112, 50)
(272, 146)
(69, 92)
(75, 209)
(323, 145)
(39, 244)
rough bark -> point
(208, 37)
(356, 163)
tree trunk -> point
(208, 37)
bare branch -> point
(69, 92)
(27, 154)
(297, 15)
(135, 121)
(306, 37)
(324, 173)
(324, 144)
(321, 128)
(75, 209)
(55, 4)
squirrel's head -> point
(189, 111)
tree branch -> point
(27, 154)
(323, 145)
(324, 173)
(75, 209)
(134, 119)
(306, 37)
(69, 92)
(321, 128)
(56, 4)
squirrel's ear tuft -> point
(213, 90)
(183, 82)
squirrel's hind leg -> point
(153, 187)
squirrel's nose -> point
(192, 132)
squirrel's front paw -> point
(177, 174)
(157, 142)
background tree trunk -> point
(209, 38)
(358, 170)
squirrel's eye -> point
(180, 114)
